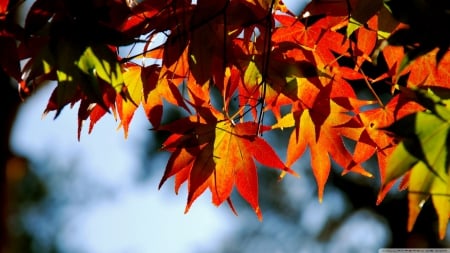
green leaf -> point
(67, 76)
(434, 99)
(432, 132)
(400, 162)
(101, 62)
(352, 26)
(252, 75)
(424, 150)
(425, 142)
(422, 185)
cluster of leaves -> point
(260, 58)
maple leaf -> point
(366, 129)
(425, 71)
(145, 87)
(424, 152)
(252, 87)
(316, 122)
(393, 56)
(101, 63)
(135, 78)
(94, 111)
(293, 29)
(366, 39)
(129, 102)
(203, 48)
(210, 152)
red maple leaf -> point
(315, 119)
(366, 129)
(211, 152)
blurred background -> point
(100, 195)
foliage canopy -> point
(309, 71)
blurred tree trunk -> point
(9, 104)
(8, 109)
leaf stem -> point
(241, 108)
(369, 85)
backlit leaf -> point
(316, 127)
(424, 151)
(216, 154)
(101, 62)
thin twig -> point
(225, 62)
(267, 50)
(369, 85)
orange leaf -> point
(144, 85)
(128, 103)
(213, 153)
(293, 30)
(366, 39)
(316, 128)
(365, 129)
(426, 72)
